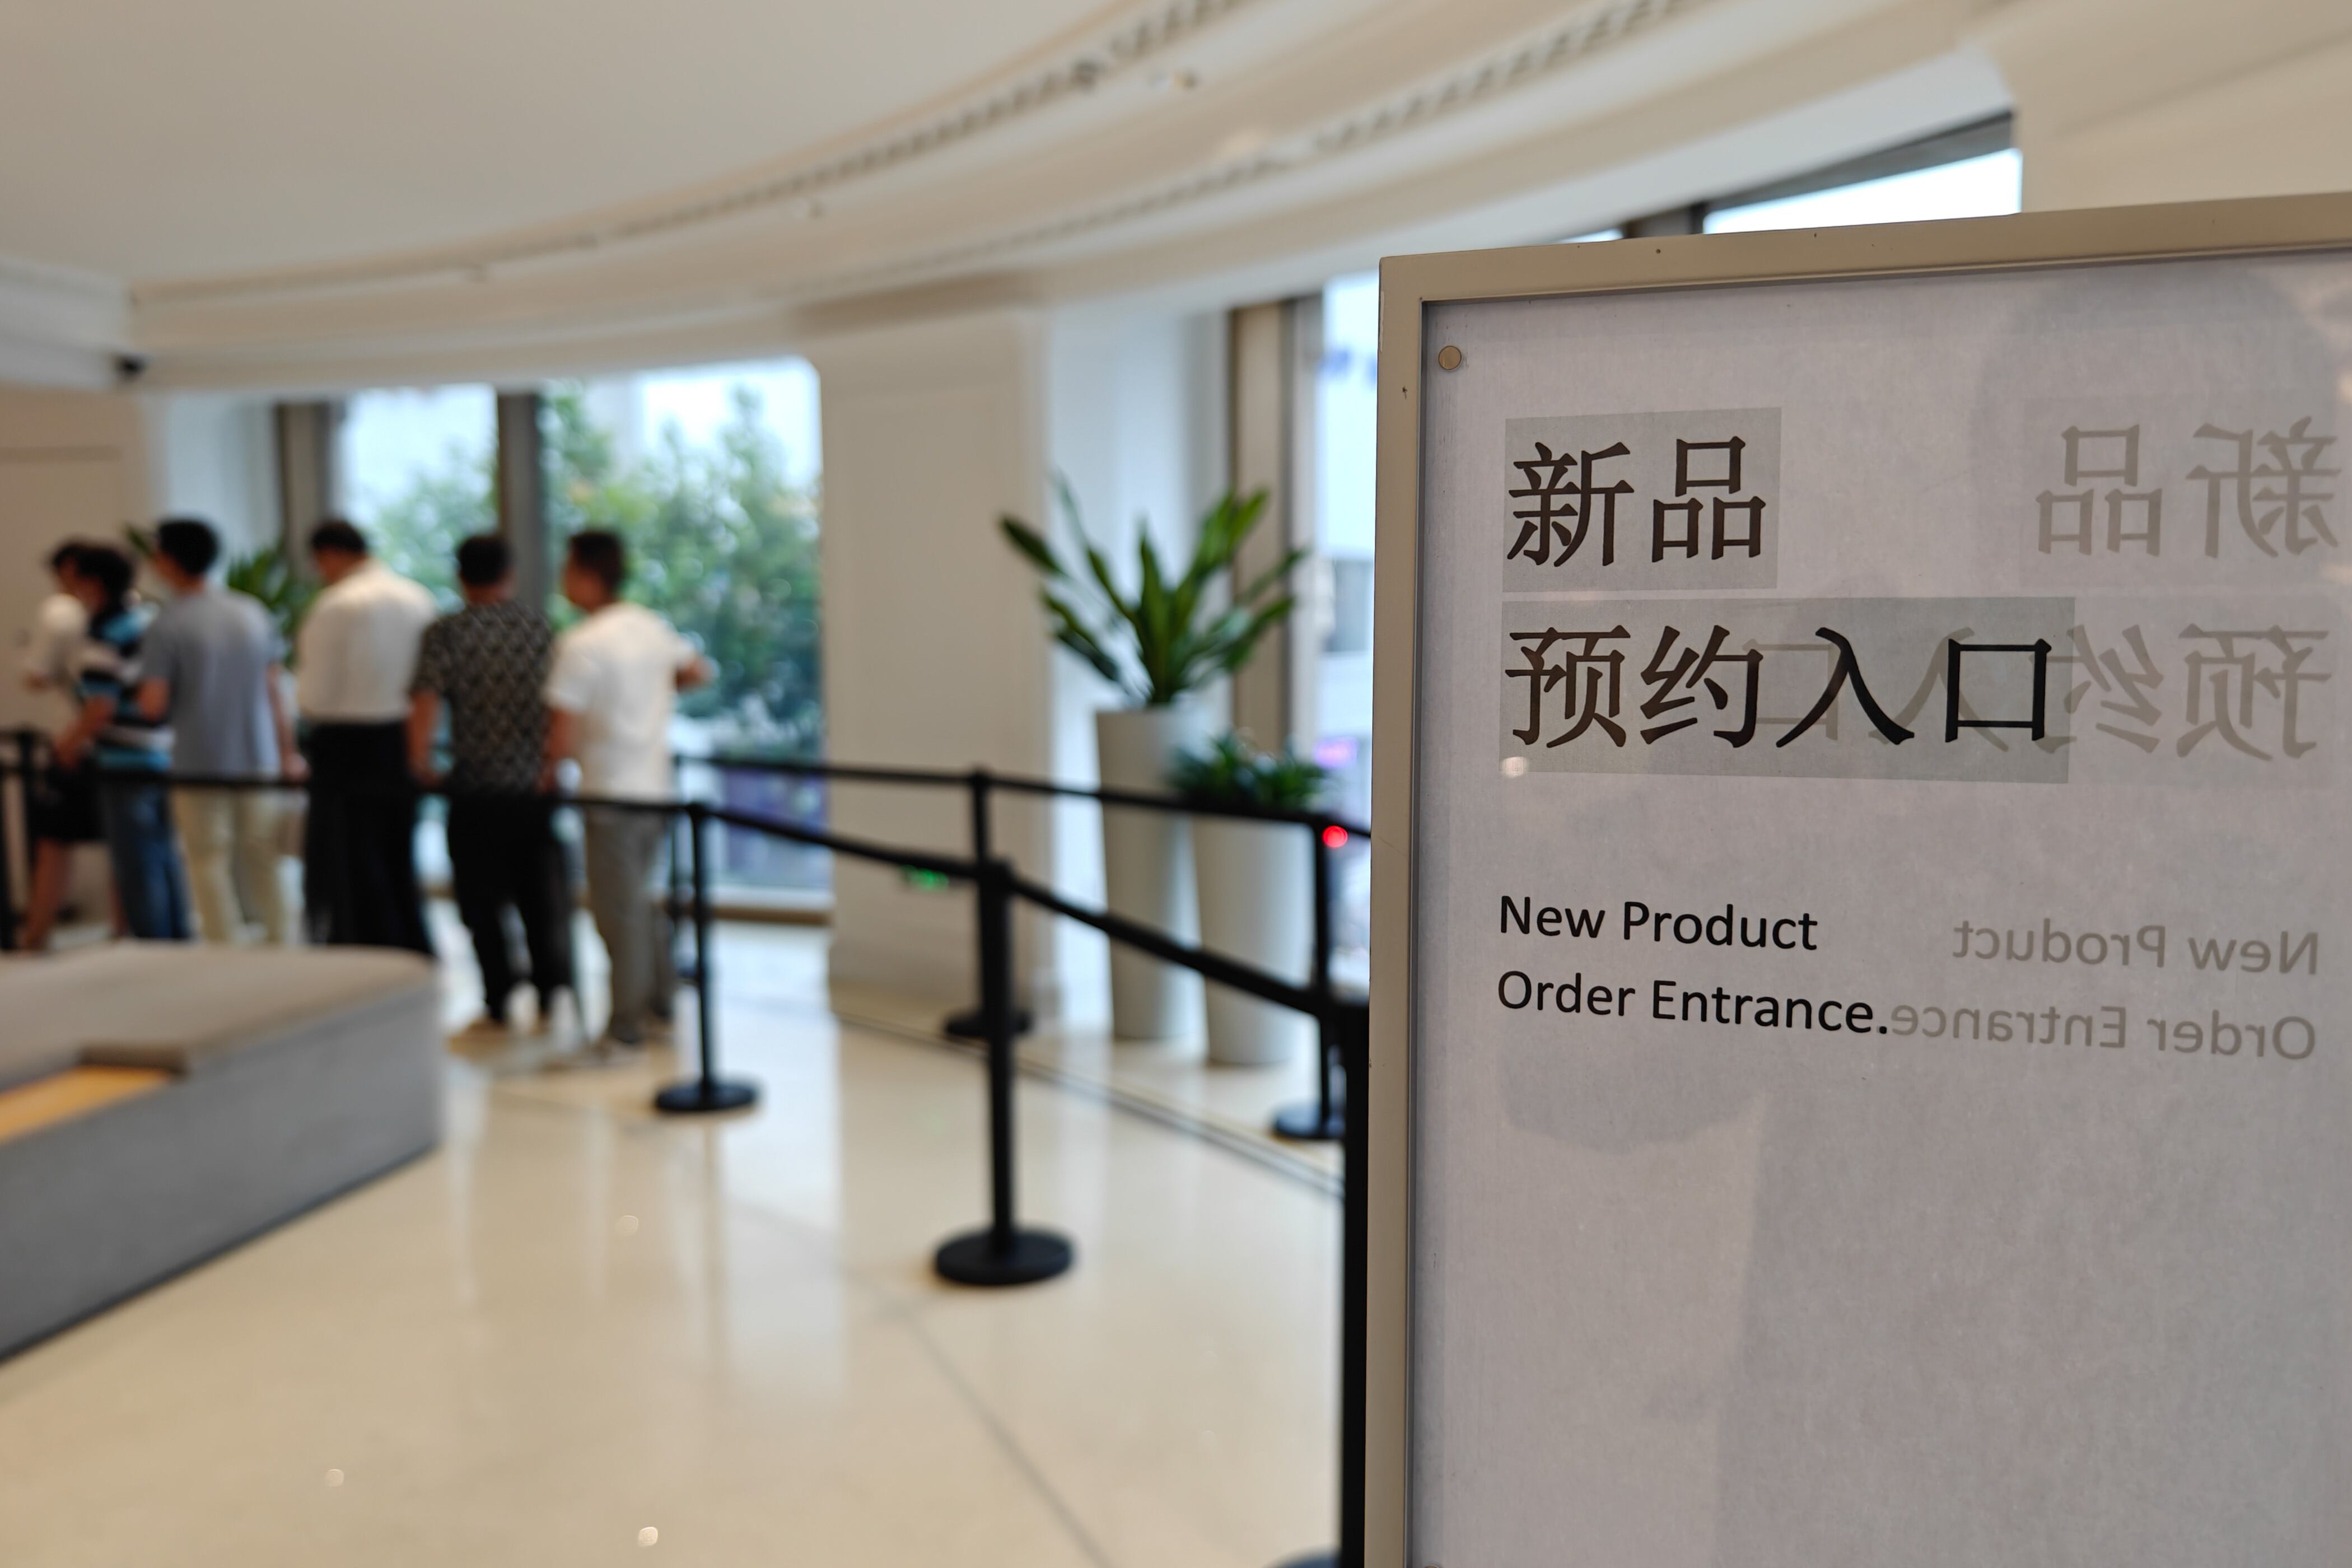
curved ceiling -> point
(161, 139)
(313, 190)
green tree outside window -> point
(720, 542)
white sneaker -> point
(560, 1019)
(605, 1051)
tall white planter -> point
(1256, 883)
(1148, 866)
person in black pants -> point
(485, 665)
(61, 805)
(355, 656)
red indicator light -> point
(1335, 838)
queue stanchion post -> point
(678, 856)
(9, 907)
(1355, 1043)
(1003, 1253)
(1326, 1120)
(973, 1023)
(1347, 1032)
(28, 766)
(705, 1092)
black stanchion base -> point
(694, 1098)
(973, 1260)
(1307, 1124)
(970, 1026)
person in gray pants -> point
(611, 694)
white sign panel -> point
(1880, 1027)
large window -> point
(1347, 404)
(418, 467)
(1983, 186)
(711, 476)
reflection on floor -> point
(1169, 1082)
(579, 1332)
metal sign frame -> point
(2118, 236)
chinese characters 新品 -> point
(2006, 690)
(1682, 499)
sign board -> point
(1860, 1036)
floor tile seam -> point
(892, 1307)
(888, 1298)
(911, 1315)
(625, 1120)
(1175, 1116)
(1159, 1112)
(1165, 1115)
(825, 1248)
(1156, 1100)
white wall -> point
(214, 456)
(1136, 421)
(936, 651)
(932, 651)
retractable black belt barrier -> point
(1003, 1252)
(1321, 1120)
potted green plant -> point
(1158, 643)
(268, 574)
(1255, 883)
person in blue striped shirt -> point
(114, 728)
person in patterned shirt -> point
(485, 665)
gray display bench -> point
(160, 1102)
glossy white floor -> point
(580, 1335)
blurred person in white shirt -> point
(64, 806)
(354, 656)
(57, 627)
(610, 695)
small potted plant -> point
(1256, 890)
(1158, 644)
